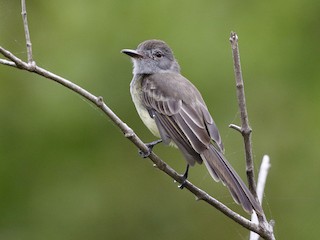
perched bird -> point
(173, 109)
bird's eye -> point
(158, 54)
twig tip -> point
(235, 127)
(233, 37)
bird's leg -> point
(185, 177)
(150, 147)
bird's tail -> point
(220, 169)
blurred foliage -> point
(67, 173)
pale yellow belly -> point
(135, 90)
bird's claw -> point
(150, 147)
(182, 185)
(184, 177)
(144, 154)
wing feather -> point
(183, 117)
(177, 117)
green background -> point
(66, 172)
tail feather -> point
(220, 169)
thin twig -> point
(6, 62)
(17, 61)
(26, 32)
(262, 178)
(245, 128)
(235, 127)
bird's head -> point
(152, 56)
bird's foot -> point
(184, 178)
(150, 147)
(181, 186)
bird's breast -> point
(136, 94)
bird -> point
(173, 109)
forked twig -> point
(26, 33)
(245, 129)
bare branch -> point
(17, 61)
(6, 62)
(262, 178)
(245, 128)
(26, 32)
(235, 127)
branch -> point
(6, 62)
(16, 62)
(245, 128)
(26, 32)
(262, 178)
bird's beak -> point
(132, 53)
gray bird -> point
(173, 109)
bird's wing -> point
(182, 116)
(180, 113)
